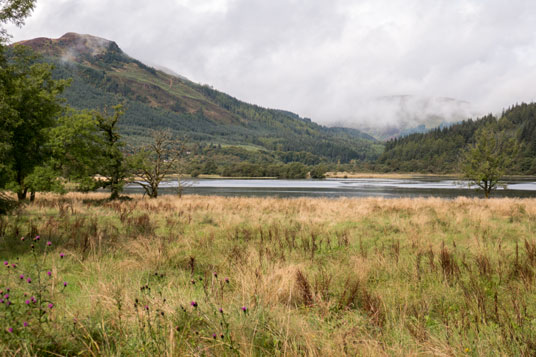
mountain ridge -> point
(104, 75)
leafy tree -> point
(29, 108)
(155, 161)
(77, 150)
(318, 172)
(14, 11)
(486, 161)
(111, 162)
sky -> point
(352, 62)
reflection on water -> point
(371, 187)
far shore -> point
(344, 175)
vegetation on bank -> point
(249, 276)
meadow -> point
(202, 276)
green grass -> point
(316, 276)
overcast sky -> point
(329, 60)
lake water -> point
(366, 187)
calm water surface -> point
(370, 187)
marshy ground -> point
(266, 276)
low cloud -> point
(330, 61)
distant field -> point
(291, 277)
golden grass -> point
(369, 276)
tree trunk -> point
(21, 195)
(32, 196)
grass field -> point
(262, 276)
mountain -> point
(103, 75)
(438, 150)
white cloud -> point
(328, 60)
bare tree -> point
(157, 160)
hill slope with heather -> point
(103, 75)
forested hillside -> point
(438, 151)
(102, 75)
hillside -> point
(438, 151)
(103, 75)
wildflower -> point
(21, 277)
(214, 336)
(192, 281)
(62, 255)
(13, 265)
(22, 239)
(245, 309)
(215, 275)
(227, 280)
(33, 299)
(37, 237)
(1, 301)
(32, 246)
(25, 324)
(29, 280)
(221, 310)
(27, 302)
(147, 307)
(10, 329)
(50, 306)
(8, 303)
(221, 335)
(6, 263)
(6, 296)
(49, 273)
(64, 284)
(194, 304)
(49, 243)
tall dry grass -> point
(315, 276)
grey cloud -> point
(328, 60)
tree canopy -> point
(485, 162)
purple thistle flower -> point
(6, 296)
(215, 274)
(22, 239)
(33, 299)
(21, 277)
(13, 265)
(6, 262)
(62, 255)
(194, 304)
(245, 309)
(25, 324)
(37, 237)
(227, 280)
(49, 243)
(49, 273)
(1, 301)
(27, 302)
(214, 336)
(147, 307)
(50, 306)
(29, 280)
(10, 329)
(221, 310)
(64, 284)
(8, 303)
